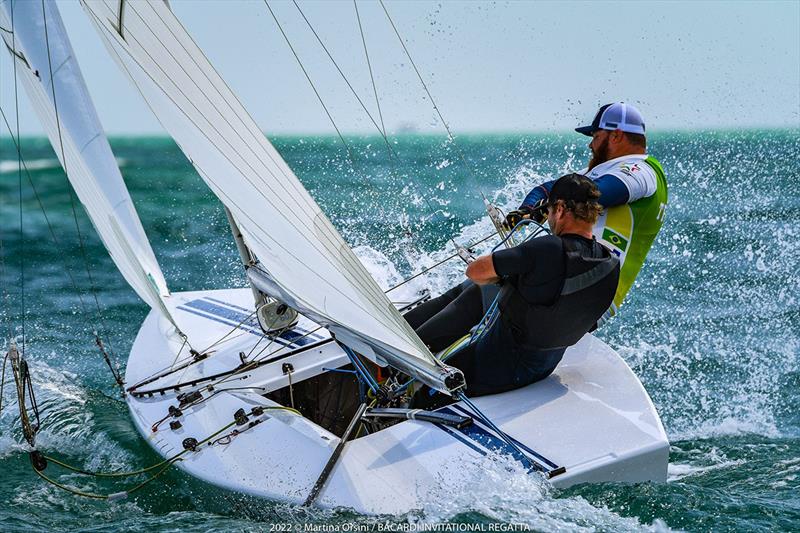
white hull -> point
(592, 417)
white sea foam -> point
(67, 424)
(676, 471)
(502, 490)
(8, 444)
(8, 166)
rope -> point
(104, 474)
(112, 496)
(259, 360)
(188, 361)
(22, 382)
(448, 258)
(3, 381)
(164, 465)
(225, 376)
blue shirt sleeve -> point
(538, 193)
(612, 190)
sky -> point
(490, 66)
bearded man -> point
(633, 191)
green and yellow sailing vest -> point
(629, 230)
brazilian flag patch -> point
(615, 238)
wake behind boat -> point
(237, 388)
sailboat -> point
(280, 389)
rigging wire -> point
(332, 240)
(19, 173)
(369, 66)
(439, 263)
(366, 181)
(419, 75)
(5, 313)
(259, 360)
(308, 77)
(81, 246)
(39, 201)
(450, 135)
(381, 131)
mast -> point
(273, 315)
(248, 259)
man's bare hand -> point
(481, 271)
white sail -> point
(303, 259)
(39, 45)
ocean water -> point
(712, 326)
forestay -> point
(68, 116)
(303, 259)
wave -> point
(8, 166)
(502, 490)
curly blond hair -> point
(588, 210)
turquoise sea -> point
(712, 326)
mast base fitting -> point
(275, 316)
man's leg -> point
(454, 320)
(422, 313)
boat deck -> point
(592, 417)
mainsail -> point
(302, 258)
(39, 45)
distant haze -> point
(491, 66)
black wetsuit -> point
(501, 360)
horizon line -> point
(470, 133)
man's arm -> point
(540, 192)
(613, 191)
(481, 271)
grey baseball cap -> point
(617, 116)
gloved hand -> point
(539, 211)
(515, 217)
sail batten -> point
(51, 76)
(302, 258)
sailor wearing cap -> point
(632, 186)
(553, 290)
